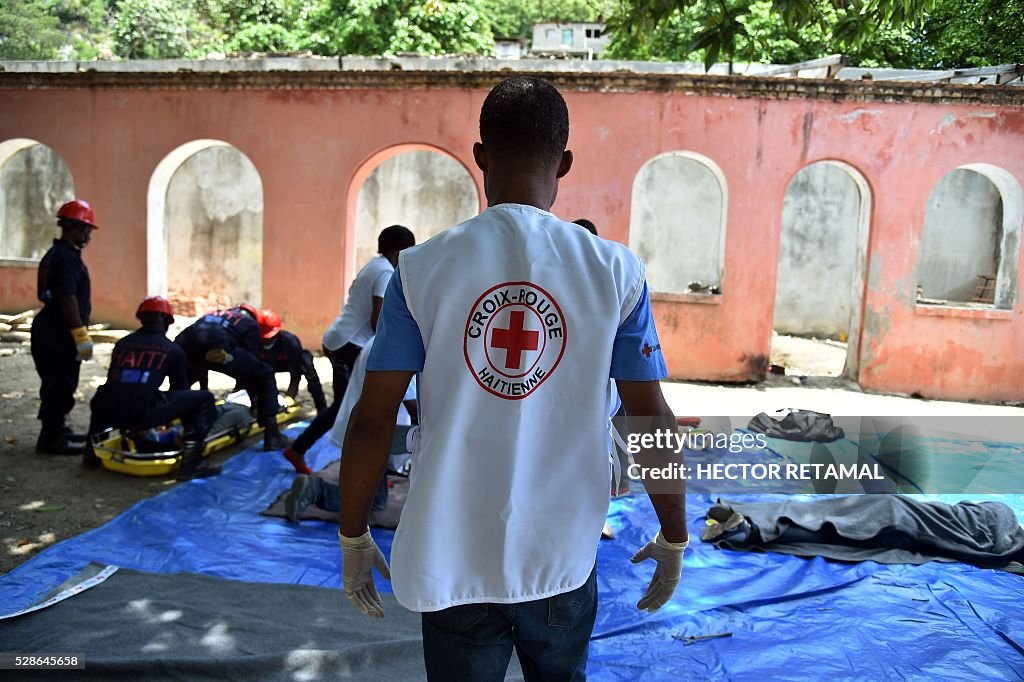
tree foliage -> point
(28, 30)
(898, 33)
(746, 29)
(387, 27)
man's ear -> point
(480, 156)
(564, 164)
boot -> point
(73, 436)
(52, 441)
(272, 438)
(89, 458)
(193, 464)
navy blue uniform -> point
(62, 272)
(239, 335)
(132, 399)
(288, 355)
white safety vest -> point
(509, 490)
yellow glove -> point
(83, 343)
(218, 356)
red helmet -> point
(155, 304)
(80, 210)
(251, 309)
(270, 323)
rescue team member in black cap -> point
(60, 339)
(132, 399)
(228, 341)
(283, 351)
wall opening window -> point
(34, 183)
(971, 239)
(819, 289)
(205, 235)
(567, 37)
(677, 223)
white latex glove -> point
(359, 556)
(669, 556)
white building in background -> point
(579, 39)
(509, 48)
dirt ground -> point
(46, 499)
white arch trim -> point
(1013, 217)
(156, 205)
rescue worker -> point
(60, 335)
(351, 330)
(228, 341)
(283, 351)
(132, 400)
(515, 321)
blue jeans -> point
(474, 642)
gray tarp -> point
(148, 626)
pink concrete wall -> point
(314, 148)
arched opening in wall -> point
(819, 290)
(677, 223)
(971, 239)
(421, 187)
(34, 183)
(205, 228)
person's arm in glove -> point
(218, 356)
(669, 558)
(367, 446)
(359, 556)
(69, 309)
(83, 343)
(667, 496)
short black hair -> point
(395, 238)
(525, 116)
(591, 227)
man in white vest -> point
(515, 321)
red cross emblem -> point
(646, 350)
(515, 337)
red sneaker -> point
(298, 461)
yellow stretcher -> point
(118, 452)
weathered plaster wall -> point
(426, 191)
(961, 235)
(817, 252)
(34, 183)
(314, 138)
(214, 215)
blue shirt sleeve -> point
(398, 344)
(636, 354)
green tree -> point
(973, 33)
(732, 29)
(151, 29)
(763, 37)
(386, 27)
(28, 30)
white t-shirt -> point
(353, 324)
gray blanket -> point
(884, 528)
(148, 626)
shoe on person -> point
(302, 494)
(56, 445)
(73, 436)
(194, 464)
(297, 460)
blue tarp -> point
(789, 618)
